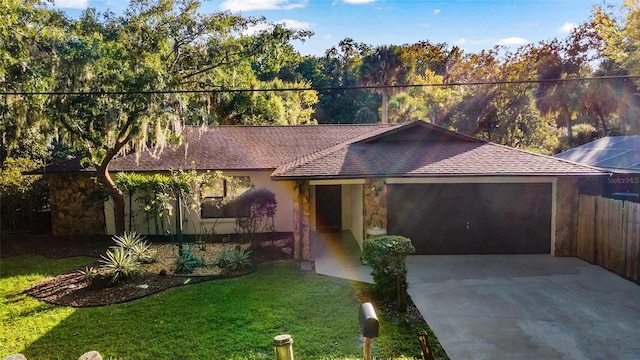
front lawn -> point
(223, 319)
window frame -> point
(209, 210)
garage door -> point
(472, 218)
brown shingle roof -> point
(235, 148)
(437, 152)
(321, 151)
(441, 159)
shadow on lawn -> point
(211, 320)
(53, 247)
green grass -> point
(223, 319)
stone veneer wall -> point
(302, 215)
(375, 204)
(566, 216)
(74, 209)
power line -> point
(320, 89)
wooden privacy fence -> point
(609, 234)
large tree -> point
(28, 33)
(110, 70)
(337, 74)
(383, 69)
(615, 34)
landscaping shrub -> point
(122, 261)
(234, 260)
(256, 209)
(136, 244)
(118, 264)
(187, 261)
(22, 197)
(127, 240)
(143, 253)
(386, 255)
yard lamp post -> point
(284, 347)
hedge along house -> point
(449, 193)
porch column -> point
(301, 211)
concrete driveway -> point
(526, 306)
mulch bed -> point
(71, 289)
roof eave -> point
(364, 176)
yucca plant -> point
(89, 273)
(119, 264)
(143, 252)
(128, 240)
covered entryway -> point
(336, 206)
(473, 218)
(329, 208)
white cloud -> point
(256, 29)
(566, 28)
(465, 41)
(510, 41)
(295, 24)
(290, 24)
(435, 11)
(72, 4)
(252, 5)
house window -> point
(218, 194)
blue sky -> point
(472, 25)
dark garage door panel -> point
(472, 218)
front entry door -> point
(328, 208)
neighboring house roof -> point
(341, 151)
(615, 153)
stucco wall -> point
(76, 207)
(191, 224)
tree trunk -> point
(567, 118)
(116, 194)
(385, 107)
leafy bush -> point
(119, 264)
(187, 261)
(22, 197)
(234, 260)
(256, 209)
(386, 255)
(584, 133)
